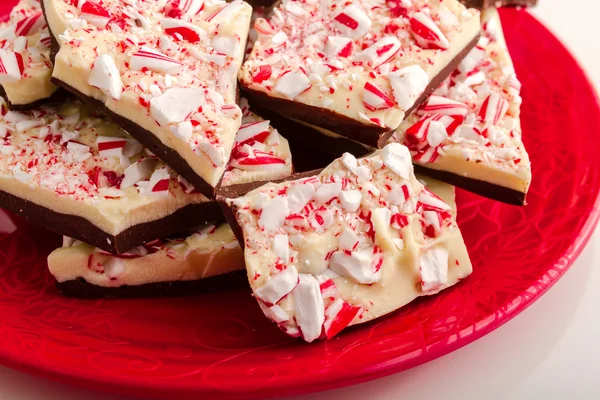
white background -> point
(550, 351)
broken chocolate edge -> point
(481, 188)
(82, 229)
(371, 135)
(81, 289)
(235, 191)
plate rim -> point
(393, 365)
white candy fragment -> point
(274, 313)
(176, 104)
(292, 84)
(436, 133)
(338, 46)
(138, 171)
(106, 76)
(278, 286)
(350, 200)
(327, 192)
(225, 44)
(310, 310)
(358, 265)
(379, 52)
(159, 182)
(349, 161)
(352, 22)
(299, 195)
(408, 84)
(397, 158)
(348, 239)
(433, 266)
(281, 247)
(274, 213)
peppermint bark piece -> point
(353, 243)
(82, 176)
(357, 67)
(468, 133)
(208, 259)
(164, 71)
(260, 153)
(25, 67)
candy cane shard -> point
(364, 66)
(207, 259)
(468, 132)
(354, 242)
(25, 67)
(166, 71)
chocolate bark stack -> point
(140, 169)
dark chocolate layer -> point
(482, 188)
(313, 145)
(80, 228)
(58, 95)
(82, 289)
(498, 3)
(371, 135)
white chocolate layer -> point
(25, 33)
(199, 54)
(210, 252)
(366, 231)
(331, 70)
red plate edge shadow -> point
(554, 228)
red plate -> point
(220, 344)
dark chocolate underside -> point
(482, 188)
(55, 97)
(188, 217)
(82, 289)
(371, 135)
(498, 3)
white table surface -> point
(550, 351)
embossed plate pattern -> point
(219, 344)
